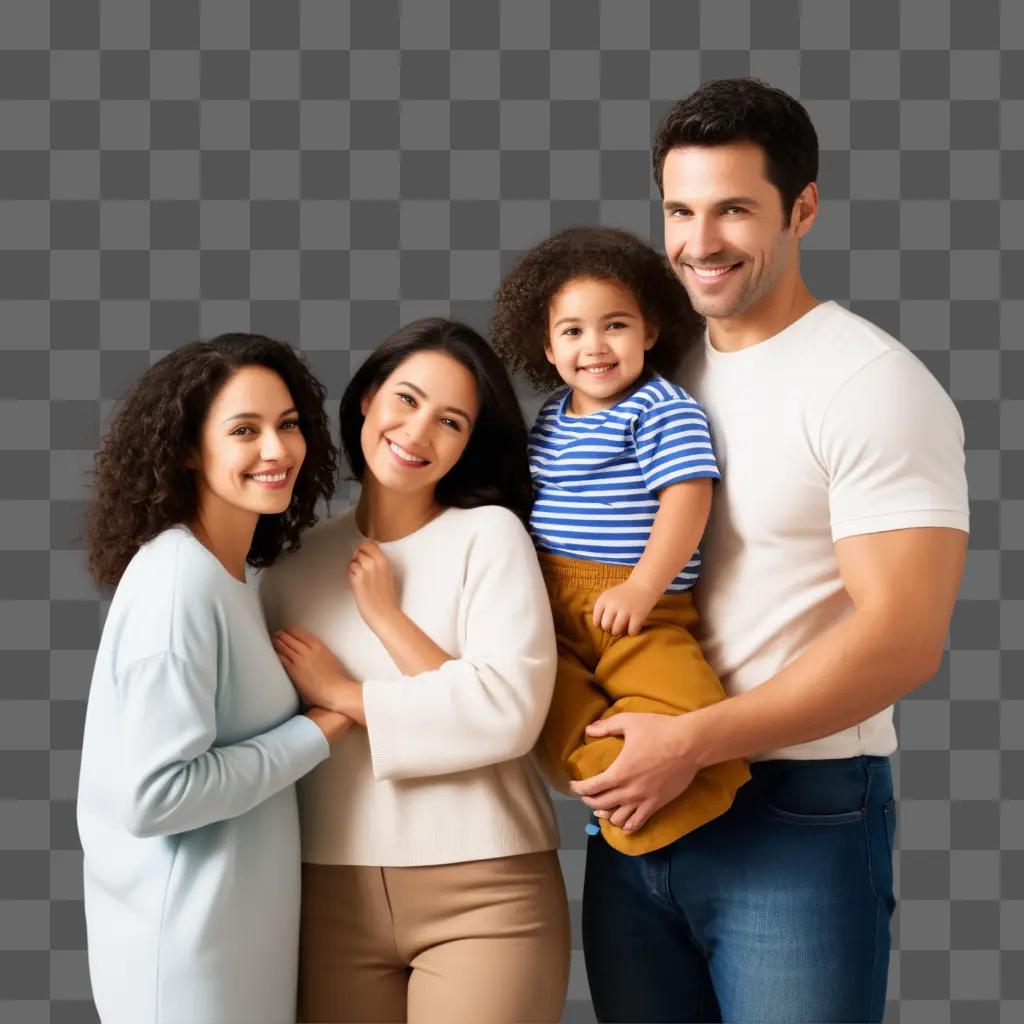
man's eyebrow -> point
(255, 415)
(451, 408)
(676, 204)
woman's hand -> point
(310, 664)
(332, 724)
(624, 608)
(373, 585)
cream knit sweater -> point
(443, 771)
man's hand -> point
(624, 608)
(655, 766)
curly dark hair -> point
(745, 110)
(493, 469)
(519, 328)
(141, 484)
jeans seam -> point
(875, 988)
(867, 844)
(873, 994)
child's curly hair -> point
(142, 484)
(519, 328)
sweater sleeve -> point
(172, 776)
(488, 705)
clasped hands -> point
(314, 669)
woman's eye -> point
(453, 424)
(290, 425)
(407, 398)
(241, 431)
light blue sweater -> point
(186, 803)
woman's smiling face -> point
(418, 422)
(251, 446)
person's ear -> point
(805, 210)
(651, 333)
(364, 402)
(549, 353)
(191, 459)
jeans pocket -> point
(880, 850)
(811, 793)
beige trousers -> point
(482, 942)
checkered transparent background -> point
(323, 171)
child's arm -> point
(678, 527)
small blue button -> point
(592, 828)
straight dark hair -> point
(745, 110)
(493, 469)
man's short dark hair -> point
(745, 110)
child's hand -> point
(624, 608)
(311, 665)
(373, 584)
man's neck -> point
(773, 314)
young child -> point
(623, 468)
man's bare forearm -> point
(853, 671)
(902, 585)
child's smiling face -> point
(597, 338)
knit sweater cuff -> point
(305, 739)
(386, 745)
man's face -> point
(725, 233)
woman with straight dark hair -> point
(193, 739)
(431, 885)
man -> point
(835, 547)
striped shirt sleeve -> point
(673, 443)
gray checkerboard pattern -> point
(325, 170)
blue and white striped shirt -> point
(596, 477)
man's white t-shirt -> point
(829, 429)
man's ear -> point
(805, 210)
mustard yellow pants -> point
(660, 670)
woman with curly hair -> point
(622, 466)
(193, 740)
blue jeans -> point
(778, 911)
